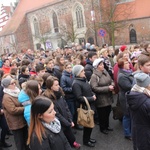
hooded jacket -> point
(24, 99)
(139, 106)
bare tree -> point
(114, 16)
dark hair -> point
(91, 54)
(23, 68)
(39, 67)
(32, 89)
(1, 74)
(39, 106)
(121, 62)
(25, 62)
(13, 71)
(142, 59)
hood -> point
(99, 73)
(67, 73)
(135, 99)
(88, 62)
(23, 97)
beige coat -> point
(100, 82)
(13, 112)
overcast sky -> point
(6, 2)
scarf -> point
(53, 126)
(139, 89)
(11, 92)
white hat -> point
(97, 62)
(76, 70)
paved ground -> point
(113, 141)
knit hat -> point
(76, 70)
(97, 62)
(6, 82)
(123, 47)
(142, 79)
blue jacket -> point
(66, 84)
(24, 99)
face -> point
(146, 68)
(27, 71)
(50, 64)
(62, 61)
(93, 58)
(101, 66)
(82, 74)
(126, 65)
(41, 73)
(12, 85)
(148, 48)
(68, 68)
(49, 115)
(55, 86)
(7, 63)
(126, 55)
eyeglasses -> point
(12, 83)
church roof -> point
(24, 6)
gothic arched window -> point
(79, 17)
(132, 34)
(55, 23)
(36, 27)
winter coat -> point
(13, 112)
(6, 69)
(139, 106)
(125, 83)
(57, 72)
(24, 99)
(100, 82)
(52, 141)
(81, 88)
(88, 69)
(66, 84)
(62, 111)
(115, 75)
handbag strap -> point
(87, 103)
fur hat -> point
(123, 47)
(97, 62)
(142, 79)
(76, 70)
(6, 82)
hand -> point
(72, 124)
(94, 97)
(111, 87)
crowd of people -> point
(40, 92)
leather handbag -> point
(85, 117)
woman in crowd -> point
(24, 74)
(3, 123)
(45, 129)
(58, 67)
(125, 83)
(102, 85)
(55, 93)
(31, 90)
(66, 84)
(139, 105)
(13, 112)
(81, 89)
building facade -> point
(49, 24)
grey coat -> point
(125, 83)
(100, 82)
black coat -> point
(52, 141)
(88, 69)
(139, 106)
(82, 88)
(57, 72)
(66, 84)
